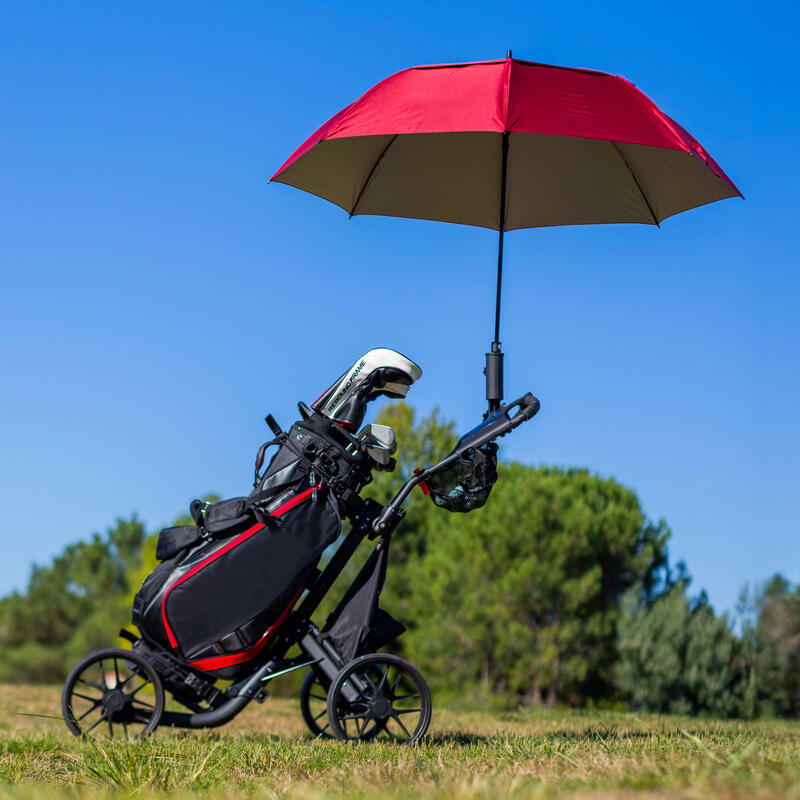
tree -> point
(70, 607)
(676, 656)
(522, 595)
(772, 637)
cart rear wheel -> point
(379, 697)
(112, 693)
(314, 705)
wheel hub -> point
(381, 708)
(114, 700)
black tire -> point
(314, 705)
(379, 697)
(125, 701)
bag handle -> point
(280, 438)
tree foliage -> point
(70, 607)
(676, 656)
(772, 643)
(521, 596)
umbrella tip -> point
(508, 54)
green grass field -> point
(266, 753)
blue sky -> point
(159, 297)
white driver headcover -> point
(349, 383)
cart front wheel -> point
(379, 697)
(112, 693)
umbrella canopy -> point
(584, 147)
(506, 144)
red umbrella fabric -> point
(583, 147)
(504, 145)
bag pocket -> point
(222, 518)
(172, 540)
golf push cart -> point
(236, 591)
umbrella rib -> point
(638, 185)
(371, 173)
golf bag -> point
(227, 583)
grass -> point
(266, 753)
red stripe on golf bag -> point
(287, 506)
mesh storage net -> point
(467, 484)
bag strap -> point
(260, 499)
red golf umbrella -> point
(505, 145)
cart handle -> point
(493, 427)
(498, 424)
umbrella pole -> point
(494, 358)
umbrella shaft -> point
(499, 288)
(503, 176)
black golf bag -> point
(227, 583)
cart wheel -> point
(314, 705)
(112, 692)
(379, 697)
